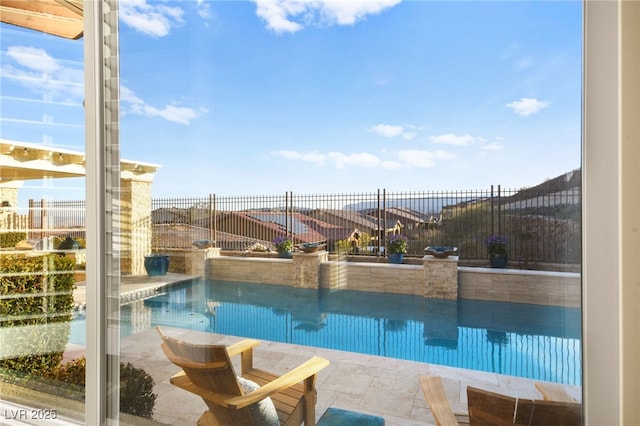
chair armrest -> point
(436, 398)
(553, 392)
(302, 372)
(242, 346)
(182, 381)
(293, 377)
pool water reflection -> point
(532, 341)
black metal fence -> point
(541, 226)
(45, 218)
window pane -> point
(344, 133)
(42, 225)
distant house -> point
(346, 219)
(166, 215)
(409, 219)
(176, 235)
(267, 225)
(392, 227)
(333, 233)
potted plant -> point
(497, 250)
(284, 246)
(397, 248)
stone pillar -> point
(440, 277)
(307, 268)
(195, 261)
(9, 218)
(135, 225)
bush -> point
(136, 391)
(56, 241)
(10, 239)
(136, 386)
(81, 242)
(343, 246)
(37, 323)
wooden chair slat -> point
(433, 390)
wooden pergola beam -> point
(62, 18)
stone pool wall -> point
(440, 279)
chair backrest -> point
(543, 413)
(207, 366)
(493, 409)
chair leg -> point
(310, 397)
(208, 419)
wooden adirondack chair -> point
(433, 390)
(494, 409)
(253, 398)
(489, 408)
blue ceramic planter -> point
(498, 260)
(396, 258)
(156, 264)
(285, 254)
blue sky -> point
(253, 97)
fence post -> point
(379, 236)
(492, 220)
(212, 231)
(43, 218)
(499, 213)
(31, 219)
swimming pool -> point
(533, 341)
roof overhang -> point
(58, 17)
(20, 161)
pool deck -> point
(382, 386)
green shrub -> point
(37, 322)
(81, 242)
(136, 391)
(136, 386)
(343, 246)
(10, 239)
(364, 241)
(56, 242)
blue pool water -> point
(533, 341)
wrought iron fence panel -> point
(540, 226)
(60, 218)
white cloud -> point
(392, 165)
(172, 112)
(309, 157)
(408, 136)
(155, 19)
(349, 12)
(361, 159)
(403, 159)
(204, 9)
(527, 106)
(455, 140)
(43, 74)
(387, 130)
(33, 58)
(417, 158)
(290, 16)
(392, 131)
